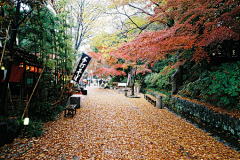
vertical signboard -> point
(85, 59)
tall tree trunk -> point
(177, 78)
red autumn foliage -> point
(194, 25)
(108, 72)
(105, 67)
(197, 24)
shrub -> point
(114, 79)
(164, 81)
(159, 80)
(147, 79)
(124, 80)
(220, 86)
(34, 129)
(13, 128)
(44, 111)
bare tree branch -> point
(142, 11)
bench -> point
(121, 87)
(70, 109)
(76, 99)
(150, 99)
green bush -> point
(34, 129)
(159, 80)
(43, 111)
(154, 79)
(13, 128)
(164, 80)
(220, 86)
(124, 80)
(168, 102)
(114, 79)
(147, 78)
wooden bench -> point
(150, 99)
(70, 109)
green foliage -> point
(39, 34)
(94, 49)
(2, 118)
(108, 86)
(163, 63)
(13, 128)
(169, 103)
(44, 111)
(39, 112)
(164, 80)
(114, 79)
(220, 85)
(124, 80)
(150, 79)
(159, 80)
(34, 129)
(154, 78)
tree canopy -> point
(198, 29)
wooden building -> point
(25, 71)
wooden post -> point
(125, 91)
(26, 108)
(132, 91)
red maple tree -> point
(106, 67)
(195, 25)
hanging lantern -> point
(39, 70)
(35, 69)
(27, 67)
(2, 68)
(31, 69)
(20, 65)
(26, 121)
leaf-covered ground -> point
(111, 126)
